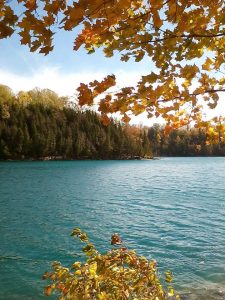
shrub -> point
(118, 274)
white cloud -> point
(51, 78)
(218, 111)
(66, 84)
(63, 84)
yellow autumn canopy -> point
(184, 42)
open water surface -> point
(171, 209)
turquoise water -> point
(172, 210)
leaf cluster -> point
(183, 41)
(118, 274)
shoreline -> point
(53, 158)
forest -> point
(39, 124)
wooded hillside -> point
(41, 125)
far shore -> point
(60, 158)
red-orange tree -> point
(183, 40)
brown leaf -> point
(115, 239)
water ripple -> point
(172, 210)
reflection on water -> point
(215, 292)
(172, 210)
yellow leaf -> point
(93, 268)
(78, 272)
(207, 65)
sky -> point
(64, 69)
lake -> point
(171, 210)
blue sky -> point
(18, 59)
(63, 69)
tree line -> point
(39, 124)
(184, 142)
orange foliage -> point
(184, 40)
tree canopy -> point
(183, 41)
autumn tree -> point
(182, 40)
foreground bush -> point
(119, 274)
